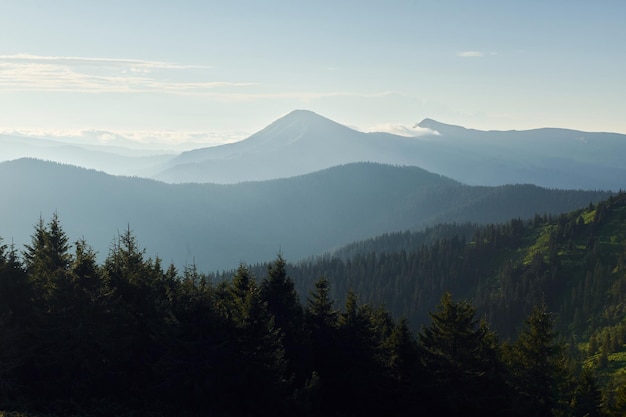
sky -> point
(185, 73)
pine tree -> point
(15, 312)
(15, 289)
(403, 352)
(256, 349)
(406, 372)
(134, 315)
(278, 292)
(47, 260)
(320, 312)
(462, 357)
(125, 264)
(85, 271)
(539, 366)
(321, 323)
(359, 378)
(587, 399)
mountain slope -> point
(217, 226)
(299, 143)
(573, 262)
(302, 142)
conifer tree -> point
(359, 379)
(321, 323)
(587, 399)
(320, 312)
(47, 259)
(85, 271)
(403, 354)
(278, 292)
(617, 404)
(15, 309)
(258, 350)
(15, 289)
(406, 372)
(462, 357)
(539, 366)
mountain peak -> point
(303, 116)
(301, 113)
(296, 123)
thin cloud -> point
(76, 61)
(25, 72)
(60, 74)
(470, 54)
(304, 96)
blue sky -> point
(209, 72)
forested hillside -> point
(217, 226)
(130, 336)
(574, 262)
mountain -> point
(218, 226)
(302, 142)
(299, 143)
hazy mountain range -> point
(218, 226)
(115, 160)
(312, 190)
(303, 142)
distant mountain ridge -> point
(302, 142)
(299, 143)
(218, 226)
(115, 160)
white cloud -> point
(402, 130)
(24, 72)
(304, 96)
(471, 54)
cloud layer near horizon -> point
(173, 140)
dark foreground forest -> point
(131, 337)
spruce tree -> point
(587, 399)
(359, 381)
(15, 318)
(462, 357)
(256, 350)
(47, 260)
(278, 292)
(538, 365)
(321, 324)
